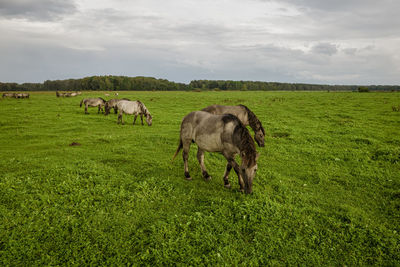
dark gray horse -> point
(224, 134)
(93, 102)
(245, 115)
(133, 108)
(112, 103)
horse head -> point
(248, 170)
(259, 136)
(149, 119)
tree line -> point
(276, 86)
(124, 83)
(98, 83)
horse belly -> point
(210, 143)
(129, 110)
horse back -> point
(210, 132)
(239, 111)
(128, 107)
(113, 102)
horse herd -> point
(67, 94)
(122, 106)
(216, 128)
(16, 95)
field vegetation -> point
(79, 189)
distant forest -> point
(123, 83)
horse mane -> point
(242, 138)
(102, 99)
(143, 109)
(254, 122)
(229, 117)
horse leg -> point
(141, 118)
(120, 118)
(226, 178)
(134, 119)
(236, 167)
(185, 156)
(200, 158)
(98, 110)
(115, 110)
(86, 106)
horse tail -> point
(80, 105)
(180, 146)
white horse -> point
(133, 108)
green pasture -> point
(327, 190)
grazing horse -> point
(133, 108)
(219, 133)
(93, 102)
(8, 95)
(112, 103)
(21, 95)
(245, 115)
(58, 94)
(67, 94)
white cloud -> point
(338, 42)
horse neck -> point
(245, 143)
(143, 108)
(252, 120)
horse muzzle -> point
(248, 190)
(259, 143)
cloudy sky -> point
(310, 41)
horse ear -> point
(257, 155)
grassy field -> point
(327, 190)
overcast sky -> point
(310, 41)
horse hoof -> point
(228, 186)
(188, 178)
(208, 178)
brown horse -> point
(93, 102)
(112, 103)
(245, 115)
(219, 133)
